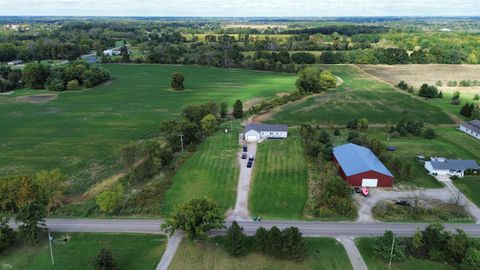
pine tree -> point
(235, 240)
(104, 260)
(293, 247)
(275, 241)
(440, 94)
(223, 109)
(238, 109)
(261, 239)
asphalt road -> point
(308, 228)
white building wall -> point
(432, 171)
(470, 132)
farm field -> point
(360, 96)
(211, 172)
(373, 263)
(279, 180)
(80, 132)
(470, 186)
(130, 251)
(322, 253)
(449, 142)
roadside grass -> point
(130, 251)
(212, 171)
(470, 186)
(373, 263)
(81, 131)
(322, 253)
(360, 96)
(279, 179)
(437, 212)
(449, 142)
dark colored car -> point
(357, 190)
(244, 155)
(245, 148)
(251, 158)
(249, 164)
(402, 203)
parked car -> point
(245, 149)
(402, 202)
(251, 158)
(357, 190)
(244, 155)
(249, 164)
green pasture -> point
(80, 132)
(130, 251)
(360, 96)
(470, 186)
(211, 172)
(279, 180)
(322, 253)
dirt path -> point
(172, 246)
(454, 118)
(241, 212)
(353, 253)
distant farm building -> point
(472, 128)
(451, 167)
(111, 52)
(257, 132)
(360, 167)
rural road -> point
(172, 246)
(241, 206)
(308, 228)
(353, 253)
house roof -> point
(264, 127)
(355, 159)
(473, 125)
(455, 164)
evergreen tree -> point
(235, 240)
(324, 137)
(238, 109)
(274, 242)
(429, 134)
(104, 260)
(223, 109)
(177, 81)
(293, 247)
(261, 239)
(440, 94)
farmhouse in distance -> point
(472, 128)
(258, 132)
(360, 167)
(450, 167)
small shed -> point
(360, 167)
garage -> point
(252, 138)
(359, 167)
(369, 182)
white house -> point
(111, 52)
(257, 132)
(450, 167)
(472, 128)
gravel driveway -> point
(241, 206)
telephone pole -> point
(51, 250)
(181, 139)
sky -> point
(241, 8)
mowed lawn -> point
(322, 253)
(80, 132)
(211, 172)
(279, 180)
(449, 142)
(360, 96)
(130, 251)
(373, 263)
(470, 186)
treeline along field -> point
(80, 132)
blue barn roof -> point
(355, 159)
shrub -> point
(402, 85)
(383, 248)
(104, 260)
(429, 134)
(7, 234)
(476, 97)
(72, 85)
(110, 200)
(177, 81)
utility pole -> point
(51, 250)
(181, 139)
(391, 252)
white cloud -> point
(275, 8)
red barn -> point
(360, 167)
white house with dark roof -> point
(258, 132)
(451, 167)
(472, 128)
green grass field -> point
(279, 181)
(470, 186)
(80, 132)
(130, 251)
(449, 142)
(322, 253)
(211, 172)
(373, 263)
(360, 96)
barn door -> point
(369, 182)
